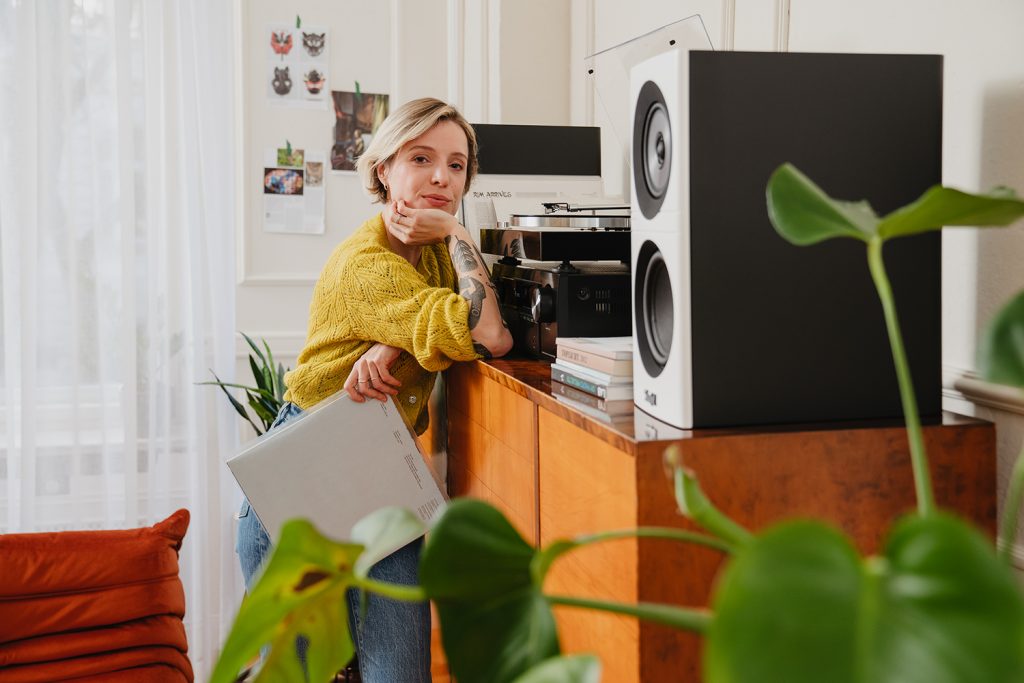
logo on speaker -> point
(650, 397)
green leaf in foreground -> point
(495, 623)
(941, 206)
(798, 605)
(574, 669)
(301, 591)
(803, 214)
(382, 532)
(1001, 354)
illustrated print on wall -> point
(314, 173)
(289, 156)
(357, 115)
(281, 42)
(293, 190)
(285, 181)
(296, 59)
(315, 81)
(314, 43)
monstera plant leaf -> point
(381, 532)
(803, 214)
(798, 605)
(301, 592)
(495, 623)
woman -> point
(398, 301)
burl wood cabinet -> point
(557, 473)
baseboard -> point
(967, 385)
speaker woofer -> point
(654, 307)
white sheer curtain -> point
(117, 211)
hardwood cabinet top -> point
(532, 379)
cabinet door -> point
(588, 486)
(492, 446)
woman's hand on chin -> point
(418, 227)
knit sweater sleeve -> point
(391, 302)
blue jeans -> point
(393, 640)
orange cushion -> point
(42, 615)
(157, 630)
(99, 665)
(80, 603)
(64, 561)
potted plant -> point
(794, 602)
(266, 398)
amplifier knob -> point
(542, 304)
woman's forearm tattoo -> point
(482, 350)
(474, 292)
(464, 255)
(467, 260)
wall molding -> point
(967, 385)
(728, 25)
(285, 345)
(456, 52)
(782, 15)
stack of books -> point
(594, 375)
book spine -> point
(577, 395)
(586, 385)
(589, 360)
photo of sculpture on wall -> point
(357, 115)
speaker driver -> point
(654, 306)
(657, 150)
(652, 149)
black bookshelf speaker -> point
(733, 325)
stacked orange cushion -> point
(94, 605)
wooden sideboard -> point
(557, 473)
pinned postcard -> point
(357, 116)
(293, 191)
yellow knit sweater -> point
(367, 294)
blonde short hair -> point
(407, 123)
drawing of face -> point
(313, 43)
(282, 81)
(281, 42)
(314, 82)
(430, 171)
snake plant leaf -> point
(941, 206)
(261, 409)
(301, 591)
(1001, 354)
(255, 347)
(803, 214)
(495, 623)
(798, 605)
(234, 402)
(382, 532)
(259, 376)
(280, 381)
(570, 669)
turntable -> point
(562, 272)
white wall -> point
(500, 62)
(983, 137)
